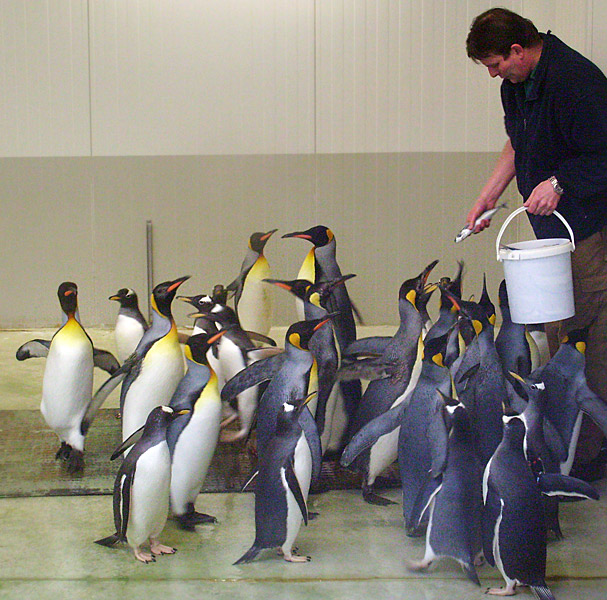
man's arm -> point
(502, 175)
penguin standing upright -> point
(151, 374)
(514, 527)
(280, 491)
(130, 323)
(67, 386)
(192, 437)
(252, 300)
(141, 489)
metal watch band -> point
(555, 184)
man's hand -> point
(480, 206)
(543, 199)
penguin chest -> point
(127, 333)
(68, 378)
(302, 464)
(149, 501)
(161, 371)
(194, 451)
(254, 306)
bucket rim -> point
(511, 252)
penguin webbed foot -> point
(157, 548)
(189, 520)
(295, 558)
(75, 462)
(505, 591)
(419, 565)
(63, 453)
(144, 557)
(371, 497)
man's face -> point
(512, 67)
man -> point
(555, 114)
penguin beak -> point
(281, 284)
(215, 337)
(267, 236)
(186, 299)
(114, 298)
(324, 321)
(177, 282)
(427, 270)
(298, 234)
(306, 400)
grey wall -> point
(215, 119)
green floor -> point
(357, 550)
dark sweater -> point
(560, 129)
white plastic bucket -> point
(538, 276)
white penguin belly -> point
(161, 372)
(149, 504)
(192, 456)
(127, 333)
(67, 387)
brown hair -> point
(494, 32)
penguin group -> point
(482, 427)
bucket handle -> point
(518, 211)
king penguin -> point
(130, 323)
(151, 374)
(280, 490)
(252, 300)
(514, 527)
(141, 489)
(193, 436)
(67, 385)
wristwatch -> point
(557, 187)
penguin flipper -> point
(491, 513)
(259, 337)
(438, 437)
(249, 555)
(130, 441)
(422, 503)
(369, 345)
(594, 407)
(372, 431)
(105, 360)
(368, 368)
(33, 349)
(542, 592)
(555, 484)
(109, 541)
(308, 425)
(295, 489)
(254, 374)
(100, 396)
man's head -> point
(506, 43)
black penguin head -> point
(502, 295)
(577, 339)
(220, 294)
(68, 297)
(320, 292)
(297, 287)
(163, 294)
(318, 235)
(197, 346)
(203, 303)
(475, 314)
(126, 297)
(160, 417)
(300, 333)
(412, 289)
(258, 240)
(288, 415)
(528, 390)
(486, 304)
(435, 349)
(515, 428)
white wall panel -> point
(202, 77)
(44, 108)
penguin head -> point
(258, 240)
(435, 349)
(319, 293)
(160, 417)
(515, 428)
(68, 297)
(163, 294)
(474, 313)
(203, 303)
(526, 389)
(297, 287)
(412, 289)
(455, 414)
(486, 304)
(220, 294)
(502, 295)
(300, 333)
(197, 346)
(577, 339)
(318, 235)
(288, 416)
(126, 297)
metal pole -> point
(150, 265)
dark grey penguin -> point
(130, 323)
(514, 526)
(141, 489)
(453, 497)
(403, 353)
(281, 487)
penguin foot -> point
(63, 453)
(293, 558)
(509, 590)
(144, 557)
(231, 437)
(75, 461)
(228, 420)
(371, 497)
(418, 565)
(189, 521)
(157, 548)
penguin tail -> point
(249, 555)
(470, 572)
(542, 592)
(109, 541)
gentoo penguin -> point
(193, 436)
(141, 489)
(453, 497)
(151, 374)
(514, 527)
(252, 300)
(403, 352)
(414, 421)
(319, 265)
(130, 323)
(67, 385)
(281, 489)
